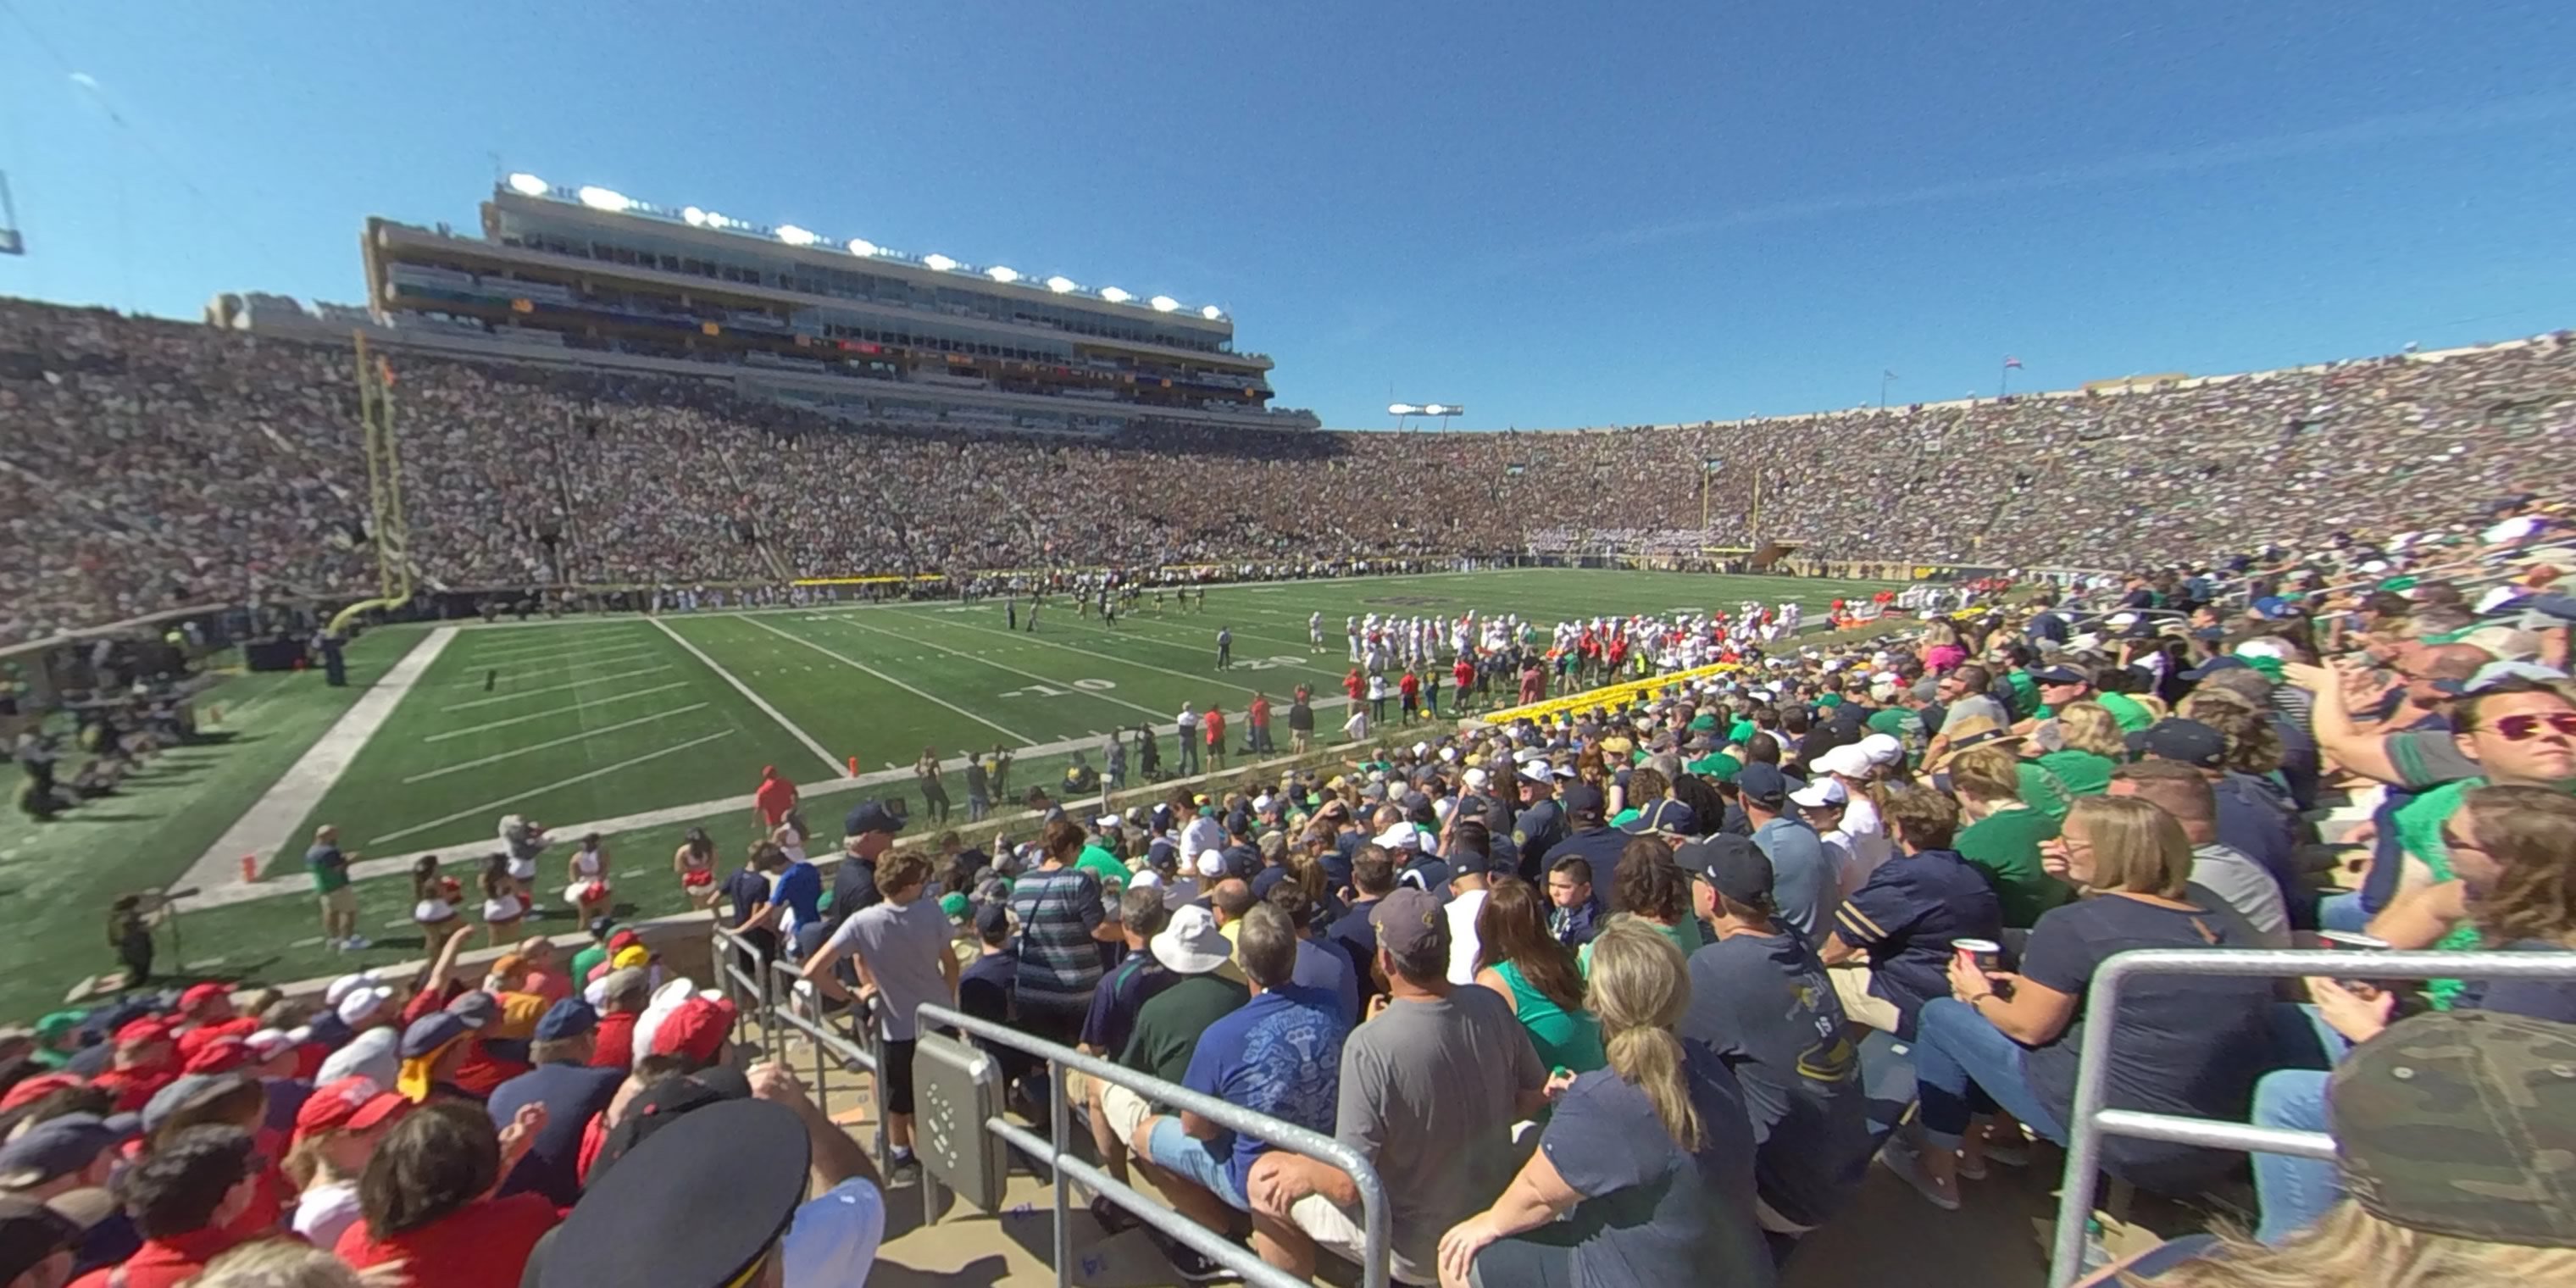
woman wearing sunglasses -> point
(2514, 849)
(2522, 733)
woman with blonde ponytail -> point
(1651, 1157)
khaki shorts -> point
(1122, 1111)
(1335, 1229)
(342, 901)
(1860, 1006)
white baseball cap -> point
(1820, 793)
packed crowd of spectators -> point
(1598, 992)
(166, 465)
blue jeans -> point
(2294, 1191)
(1965, 1066)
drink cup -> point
(1984, 954)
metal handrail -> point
(1374, 1218)
(2088, 1122)
(862, 1056)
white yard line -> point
(269, 824)
(849, 661)
(556, 688)
(488, 806)
(1223, 679)
(1048, 681)
(549, 661)
(614, 637)
(751, 697)
(462, 766)
(583, 705)
(230, 889)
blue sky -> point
(1556, 214)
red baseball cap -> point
(204, 1035)
(143, 1032)
(200, 994)
(222, 1055)
(30, 1090)
(351, 1104)
(622, 940)
(696, 1028)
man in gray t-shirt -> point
(1431, 1085)
(900, 946)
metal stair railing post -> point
(1374, 1218)
(2088, 1122)
(748, 993)
(862, 1056)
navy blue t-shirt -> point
(1653, 1215)
(1279, 1054)
(1117, 998)
(572, 1095)
(1907, 915)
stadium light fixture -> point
(1061, 284)
(1002, 274)
(1434, 409)
(938, 261)
(1403, 409)
(1114, 295)
(861, 246)
(608, 199)
(1164, 303)
(795, 236)
(1211, 313)
(528, 185)
(693, 217)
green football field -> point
(644, 727)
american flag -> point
(2011, 363)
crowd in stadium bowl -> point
(163, 466)
(1603, 992)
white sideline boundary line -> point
(846, 660)
(232, 890)
(554, 711)
(554, 688)
(602, 771)
(461, 766)
(751, 697)
(269, 824)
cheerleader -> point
(502, 906)
(587, 875)
(695, 864)
(434, 898)
(523, 839)
(790, 835)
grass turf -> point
(591, 719)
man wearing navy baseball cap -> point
(572, 1091)
(1804, 882)
(1760, 999)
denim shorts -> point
(1200, 1161)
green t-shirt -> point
(2041, 791)
(1901, 724)
(330, 868)
(2025, 690)
(1685, 935)
(1168, 1025)
(2124, 709)
(2081, 773)
(2005, 847)
(2419, 832)
(1101, 863)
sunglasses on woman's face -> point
(2523, 728)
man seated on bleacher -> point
(1431, 1085)
(1891, 942)
(1760, 1000)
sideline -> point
(269, 824)
(228, 888)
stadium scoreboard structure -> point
(587, 276)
